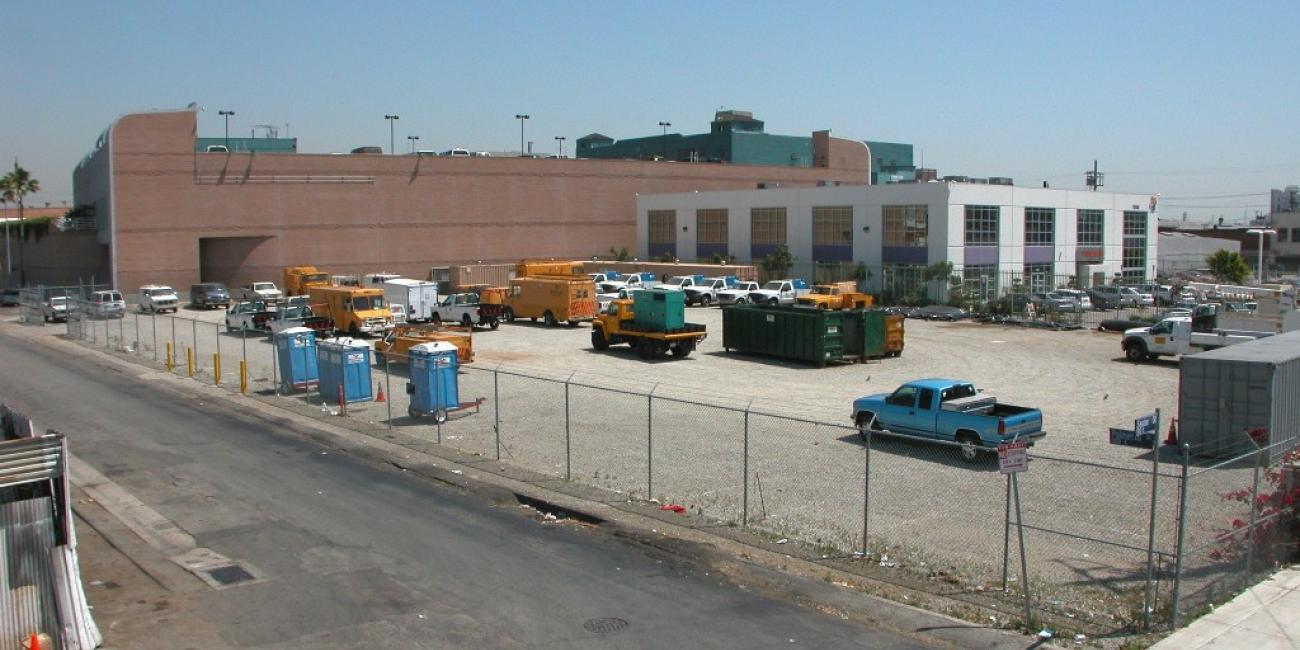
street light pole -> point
(412, 138)
(560, 139)
(391, 119)
(665, 126)
(521, 117)
(1261, 232)
(227, 114)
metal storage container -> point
(1226, 393)
(659, 310)
(872, 334)
(812, 335)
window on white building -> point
(982, 225)
(980, 281)
(832, 225)
(661, 224)
(711, 226)
(1092, 228)
(1134, 254)
(906, 225)
(767, 226)
(1038, 277)
(1039, 224)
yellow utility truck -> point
(838, 295)
(298, 279)
(355, 310)
(552, 298)
(653, 322)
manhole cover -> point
(604, 625)
(229, 575)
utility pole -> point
(227, 114)
(665, 126)
(560, 139)
(1093, 178)
(412, 138)
(391, 119)
(521, 117)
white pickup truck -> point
(779, 292)
(1174, 336)
(737, 294)
(458, 308)
(644, 280)
(705, 292)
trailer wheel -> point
(493, 323)
(415, 415)
(548, 318)
(508, 314)
(440, 415)
(598, 339)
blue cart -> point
(344, 371)
(434, 387)
(295, 350)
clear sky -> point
(1195, 100)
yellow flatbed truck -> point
(660, 329)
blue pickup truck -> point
(949, 410)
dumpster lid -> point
(433, 347)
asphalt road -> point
(352, 555)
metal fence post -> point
(1182, 529)
(174, 332)
(650, 443)
(194, 337)
(275, 367)
(1006, 540)
(1024, 562)
(108, 339)
(388, 388)
(866, 490)
(1148, 602)
(744, 471)
(153, 330)
(568, 448)
(136, 318)
(496, 407)
(1250, 527)
(217, 330)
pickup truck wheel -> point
(436, 318)
(1136, 351)
(706, 300)
(598, 339)
(741, 301)
(548, 318)
(773, 301)
(467, 321)
(969, 442)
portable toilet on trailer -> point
(344, 366)
(295, 351)
(433, 388)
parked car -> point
(157, 298)
(1081, 300)
(947, 410)
(738, 294)
(107, 304)
(260, 291)
(1139, 299)
(209, 295)
(1052, 301)
(55, 310)
(1106, 297)
(9, 298)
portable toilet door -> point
(344, 371)
(434, 389)
(295, 350)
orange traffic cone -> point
(379, 388)
(35, 642)
(1172, 438)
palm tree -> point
(16, 185)
(6, 197)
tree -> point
(722, 258)
(16, 185)
(778, 262)
(1228, 266)
(619, 255)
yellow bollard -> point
(243, 377)
(189, 361)
(216, 368)
(171, 361)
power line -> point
(1214, 207)
(1213, 196)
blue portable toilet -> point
(433, 388)
(344, 363)
(295, 349)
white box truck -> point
(420, 298)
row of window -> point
(905, 225)
(1282, 235)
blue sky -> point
(1188, 99)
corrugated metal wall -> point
(27, 596)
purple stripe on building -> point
(657, 250)
(905, 255)
(832, 253)
(1039, 254)
(979, 255)
(758, 251)
(705, 251)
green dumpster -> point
(798, 333)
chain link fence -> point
(1113, 548)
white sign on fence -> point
(1013, 457)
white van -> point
(457, 153)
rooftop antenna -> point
(272, 131)
(1094, 178)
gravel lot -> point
(805, 464)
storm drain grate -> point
(604, 625)
(229, 575)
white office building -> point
(992, 234)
